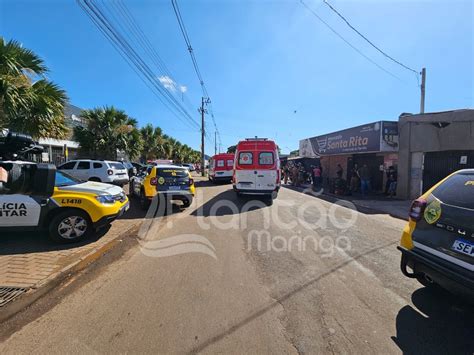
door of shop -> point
(373, 163)
(438, 165)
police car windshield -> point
(63, 179)
(458, 190)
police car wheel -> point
(144, 203)
(70, 226)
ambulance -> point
(257, 168)
(221, 167)
(37, 197)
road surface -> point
(228, 275)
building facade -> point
(374, 144)
(432, 146)
(57, 151)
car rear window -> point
(172, 172)
(458, 190)
(97, 166)
(116, 166)
(230, 162)
(220, 163)
(245, 158)
(265, 158)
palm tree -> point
(107, 131)
(29, 103)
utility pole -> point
(202, 110)
(215, 142)
(422, 87)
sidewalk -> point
(29, 261)
(376, 203)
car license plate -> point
(174, 187)
(464, 247)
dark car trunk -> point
(448, 223)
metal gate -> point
(438, 165)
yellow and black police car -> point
(437, 244)
(41, 198)
(170, 181)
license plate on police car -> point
(464, 247)
(174, 187)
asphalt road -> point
(231, 275)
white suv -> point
(97, 170)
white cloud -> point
(183, 88)
(167, 82)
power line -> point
(106, 27)
(369, 41)
(187, 40)
(347, 42)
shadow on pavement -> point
(227, 203)
(441, 324)
(335, 198)
(14, 243)
(207, 183)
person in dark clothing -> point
(339, 171)
(389, 172)
(355, 179)
(392, 187)
(364, 174)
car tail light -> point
(110, 172)
(153, 181)
(191, 181)
(417, 209)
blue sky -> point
(261, 61)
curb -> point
(57, 278)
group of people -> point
(297, 174)
(359, 178)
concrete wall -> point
(431, 132)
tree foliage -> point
(107, 131)
(29, 103)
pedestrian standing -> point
(364, 174)
(355, 179)
(392, 187)
(339, 171)
(317, 177)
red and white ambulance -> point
(257, 167)
(220, 167)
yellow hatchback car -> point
(437, 244)
(171, 181)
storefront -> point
(374, 144)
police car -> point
(438, 242)
(41, 198)
(170, 181)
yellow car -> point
(170, 181)
(68, 208)
(437, 244)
